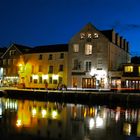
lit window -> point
(88, 49)
(89, 35)
(76, 48)
(139, 70)
(82, 35)
(95, 35)
(128, 68)
(88, 65)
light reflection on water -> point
(25, 119)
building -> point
(9, 64)
(92, 59)
(44, 67)
(96, 58)
(131, 76)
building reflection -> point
(67, 121)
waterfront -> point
(28, 119)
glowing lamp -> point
(55, 77)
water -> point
(25, 119)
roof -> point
(2, 51)
(22, 48)
(50, 48)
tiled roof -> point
(50, 48)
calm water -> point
(25, 119)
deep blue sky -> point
(43, 22)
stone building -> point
(95, 58)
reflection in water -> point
(22, 119)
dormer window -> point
(95, 35)
(82, 35)
(89, 35)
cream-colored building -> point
(44, 67)
(95, 56)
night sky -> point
(44, 22)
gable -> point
(11, 52)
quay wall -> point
(77, 97)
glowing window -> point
(89, 35)
(128, 68)
(82, 35)
(88, 49)
(139, 70)
(76, 48)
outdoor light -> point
(18, 124)
(35, 76)
(55, 77)
(99, 122)
(91, 123)
(45, 76)
(54, 114)
(44, 112)
(34, 112)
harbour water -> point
(28, 119)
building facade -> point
(92, 59)
(131, 77)
(44, 67)
(95, 56)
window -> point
(12, 52)
(54, 81)
(50, 80)
(40, 79)
(76, 64)
(75, 48)
(82, 35)
(95, 35)
(5, 62)
(35, 81)
(61, 67)
(50, 57)
(61, 55)
(88, 49)
(60, 79)
(128, 68)
(50, 69)
(31, 79)
(40, 68)
(89, 35)
(40, 57)
(10, 61)
(88, 65)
